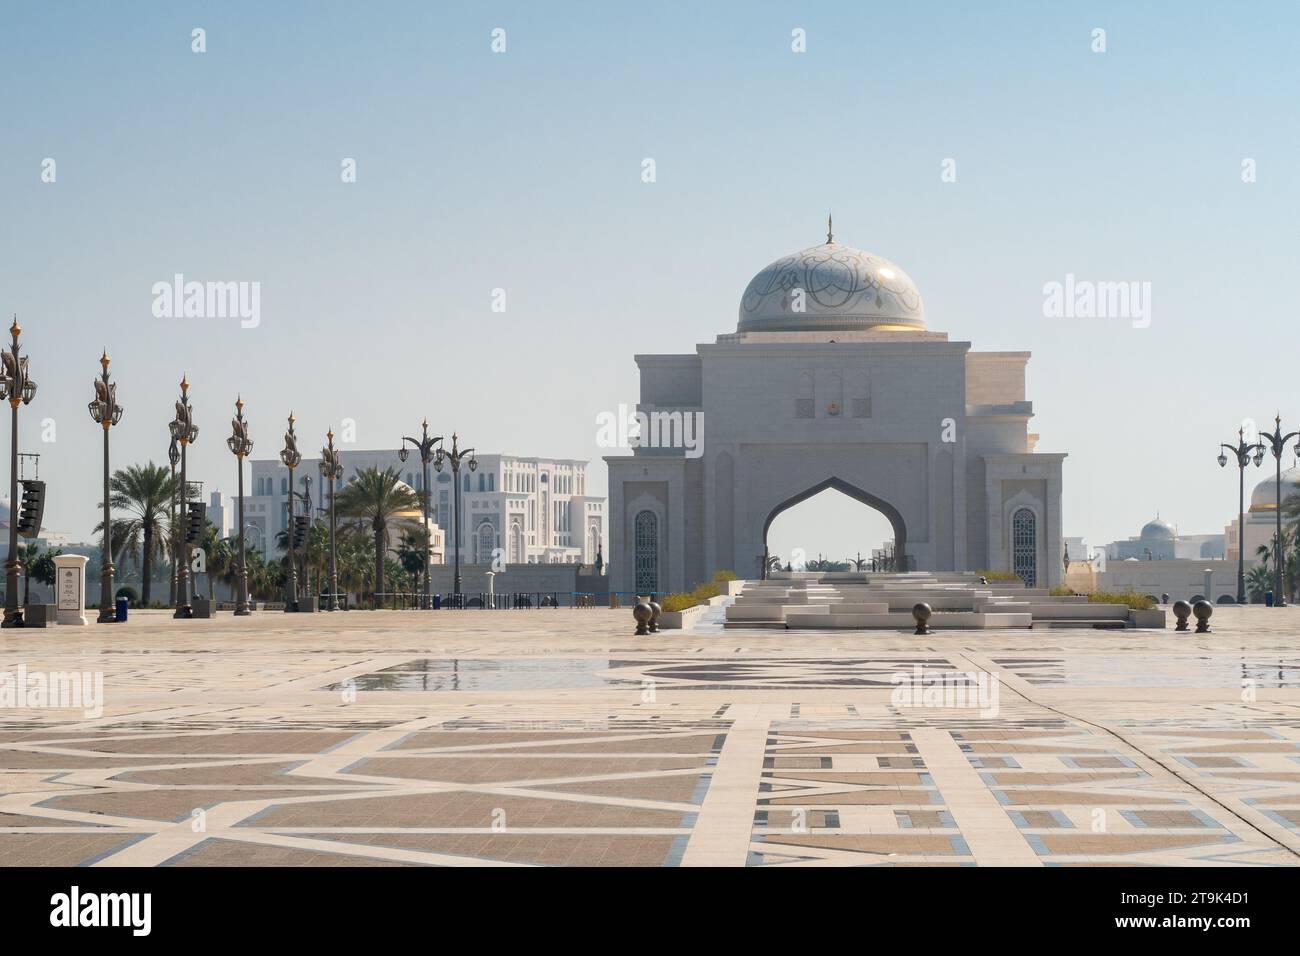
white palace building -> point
(536, 510)
(832, 380)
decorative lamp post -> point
(184, 432)
(455, 456)
(106, 412)
(290, 456)
(425, 446)
(331, 470)
(1243, 452)
(240, 445)
(174, 458)
(17, 386)
(311, 523)
(1276, 443)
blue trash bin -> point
(437, 602)
(1268, 598)
(120, 609)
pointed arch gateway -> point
(853, 491)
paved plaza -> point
(556, 737)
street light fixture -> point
(425, 446)
(240, 445)
(184, 432)
(106, 412)
(174, 458)
(1243, 452)
(1277, 444)
(455, 456)
(17, 386)
(290, 456)
(331, 470)
(311, 523)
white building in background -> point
(1160, 541)
(536, 510)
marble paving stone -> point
(558, 737)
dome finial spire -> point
(830, 234)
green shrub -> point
(1061, 591)
(998, 575)
(1129, 598)
(684, 599)
(677, 602)
(703, 592)
(128, 592)
(721, 576)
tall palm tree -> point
(145, 493)
(1264, 552)
(315, 556)
(356, 560)
(414, 551)
(28, 554)
(377, 498)
(221, 565)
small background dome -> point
(1159, 531)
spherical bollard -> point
(1182, 610)
(655, 611)
(1202, 610)
(1164, 597)
(983, 579)
(641, 611)
(921, 614)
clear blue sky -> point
(522, 171)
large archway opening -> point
(836, 526)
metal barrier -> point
(499, 601)
(480, 600)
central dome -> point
(830, 287)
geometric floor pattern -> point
(556, 737)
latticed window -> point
(646, 553)
(487, 542)
(1024, 546)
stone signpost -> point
(70, 588)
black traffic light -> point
(196, 514)
(33, 506)
(301, 524)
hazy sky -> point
(522, 171)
